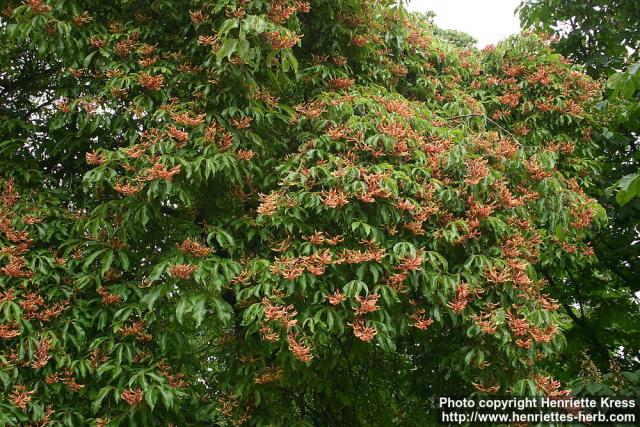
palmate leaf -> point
(627, 188)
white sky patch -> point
(488, 21)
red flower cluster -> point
(8, 331)
(355, 256)
(107, 297)
(410, 263)
(268, 203)
(132, 396)
(9, 195)
(318, 238)
(94, 158)
(42, 354)
(363, 332)
(310, 110)
(269, 375)
(292, 268)
(374, 189)
(192, 247)
(127, 189)
(477, 170)
(279, 11)
(174, 380)
(300, 351)
(334, 198)
(182, 271)
(17, 267)
(282, 41)
(339, 83)
(178, 135)
(187, 119)
(336, 298)
(485, 323)
(159, 171)
(38, 6)
(551, 387)
(419, 319)
(463, 297)
(368, 304)
(20, 396)
(281, 314)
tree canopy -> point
(256, 213)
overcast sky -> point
(488, 21)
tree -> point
(258, 213)
(601, 35)
(458, 38)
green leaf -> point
(227, 49)
(152, 296)
(223, 309)
(628, 188)
(181, 308)
(199, 310)
(107, 260)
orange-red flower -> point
(107, 297)
(159, 171)
(368, 304)
(336, 298)
(477, 170)
(486, 389)
(9, 195)
(8, 331)
(269, 375)
(42, 354)
(300, 351)
(192, 247)
(410, 263)
(551, 387)
(177, 134)
(242, 122)
(150, 82)
(279, 12)
(187, 119)
(334, 198)
(127, 189)
(132, 396)
(17, 267)
(182, 271)
(419, 320)
(38, 6)
(94, 158)
(245, 154)
(362, 332)
(20, 396)
(339, 83)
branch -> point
(576, 286)
(483, 116)
(587, 331)
(572, 315)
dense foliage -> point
(602, 36)
(271, 212)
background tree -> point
(458, 38)
(600, 34)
